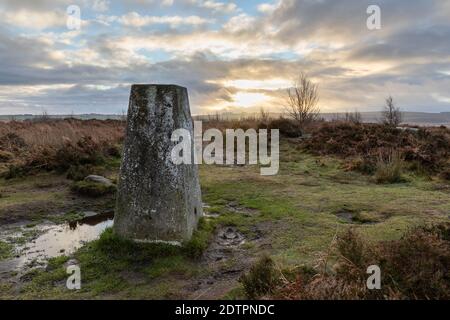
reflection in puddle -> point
(57, 240)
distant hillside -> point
(22, 117)
(412, 118)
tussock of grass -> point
(389, 170)
(92, 189)
(5, 250)
(115, 247)
(200, 240)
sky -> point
(234, 56)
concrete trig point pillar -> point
(157, 200)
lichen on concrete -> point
(157, 200)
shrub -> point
(113, 151)
(418, 264)
(14, 171)
(5, 156)
(79, 172)
(351, 248)
(413, 267)
(85, 151)
(445, 174)
(12, 142)
(261, 279)
(363, 165)
(428, 148)
(288, 128)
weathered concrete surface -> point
(157, 200)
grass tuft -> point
(261, 279)
(195, 247)
(6, 250)
(389, 170)
(92, 189)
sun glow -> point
(249, 99)
(271, 84)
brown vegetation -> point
(417, 266)
(363, 145)
(288, 127)
(57, 144)
(368, 148)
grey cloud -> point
(413, 40)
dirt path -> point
(229, 255)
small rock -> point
(89, 214)
(99, 179)
(229, 234)
(71, 262)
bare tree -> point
(302, 100)
(263, 115)
(43, 117)
(353, 117)
(392, 116)
(123, 115)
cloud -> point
(268, 7)
(34, 20)
(242, 22)
(134, 19)
(217, 5)
(100, 5)
(229, 56)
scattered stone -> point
(71, 262)
(205, 206)
(345, 215)
(89, 214)
(229, 236)
(234, 207)
(98, 179)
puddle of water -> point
(358, 218)
(57, 240)
(345, 216)
(229, 236)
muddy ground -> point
(292, 216)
